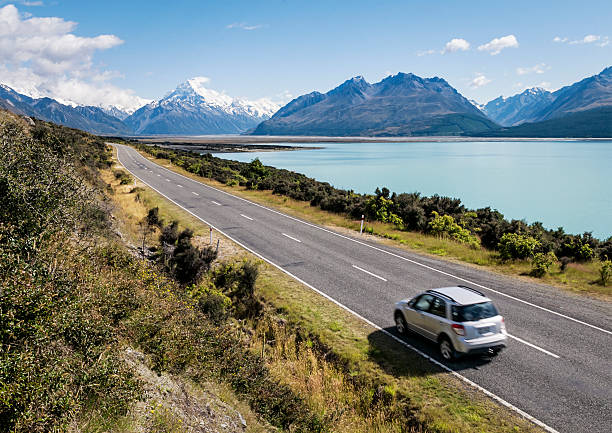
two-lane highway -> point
(557, 367)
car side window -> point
(438, 307)
(423, 303)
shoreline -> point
(218, 148)
(276, 139)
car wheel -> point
(446, 349)
(400, 323)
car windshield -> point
(470, 313)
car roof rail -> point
(472, 290)
(441, 295)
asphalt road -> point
(557, 366)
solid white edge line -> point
(372, 324)
(291, 237)
(520, 340)
(247, 217)
(370, 273)
(386, 252)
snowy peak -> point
(194, 93)
(520, 108)
(192, 108)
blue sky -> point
(280, 49)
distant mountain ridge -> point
(87, 118)
(520, 108)
(401, 104)
(538, 105)
(192, 109)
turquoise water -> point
(560, 183)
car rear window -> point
(469, 313)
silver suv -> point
(460, 319)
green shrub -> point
(125, 178)
(445, 226)
(515, 246)
(212, 302)
(541, 263)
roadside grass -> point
(355, 377)
(577, 278)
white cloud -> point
(588, 39)
(283, 97)
(545, 85)
(42, 57)
(540, 68)
(456, 44)
(599, 40)
(244, 26)
(479, 81)
(495, 46)
(425, 53)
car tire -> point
(400, 323)
(447, 351)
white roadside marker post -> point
(361, 229)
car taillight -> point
(459, 329)
(503, 324)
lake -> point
(560, 183)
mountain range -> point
(537, 105)
(190, 109)
(88, 118)
(399, 105)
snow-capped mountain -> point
(192, 108)
(520, 108)
(92, 119)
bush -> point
(213, 303)
(125, 178)
(445, 226)
(515, 246)
(542, 262)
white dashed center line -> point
(214, 202)
(247, 217)
(180, 186)
(194, 193)
(370, 273)
(291, 237)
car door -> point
(415, 314)
(433, 320)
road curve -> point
(556, 369)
